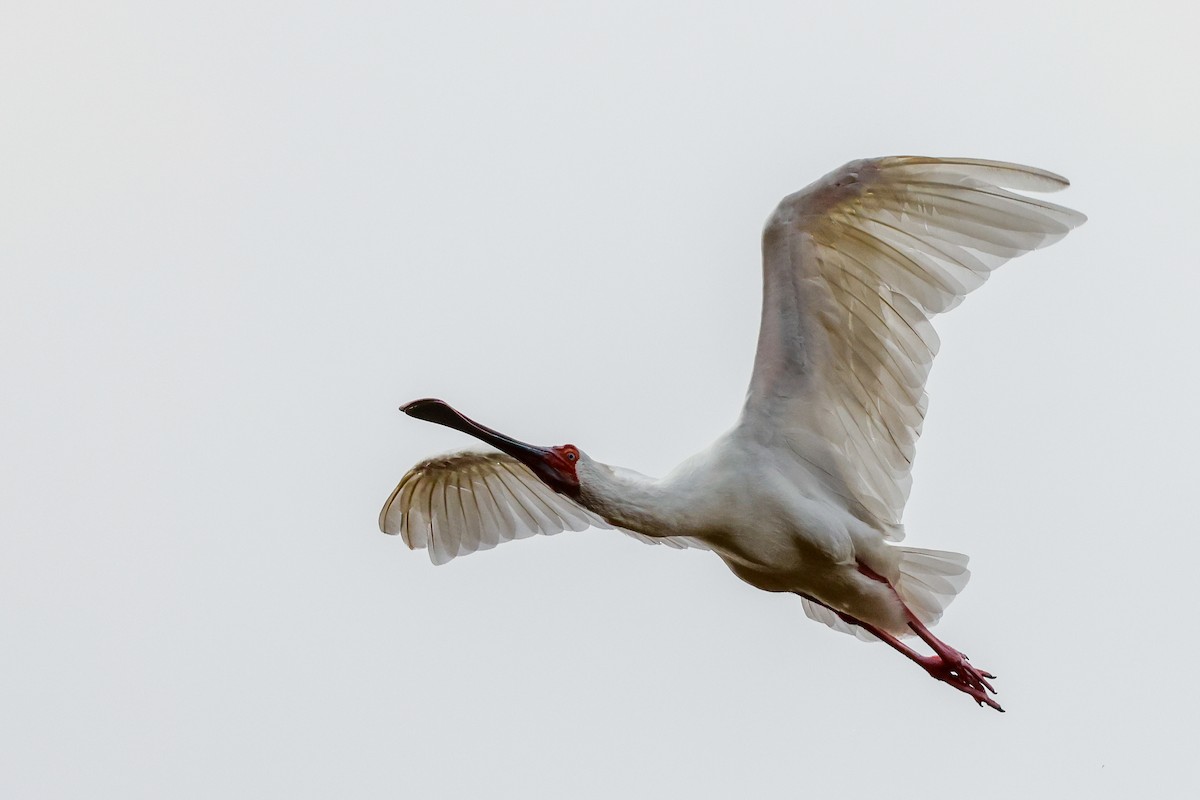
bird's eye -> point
(570, 456)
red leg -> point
(947, 664)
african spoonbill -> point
(805, 493)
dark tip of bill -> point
(436, 411)
(417, 405)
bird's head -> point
(555, 466)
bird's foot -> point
(954, 668)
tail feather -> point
(930, 580)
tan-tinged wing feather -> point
(460, 503)
(854, 267)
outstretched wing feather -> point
(464, 502)
(855, 266)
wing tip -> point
(1003, 173)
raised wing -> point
(459, 503)
(854, 267)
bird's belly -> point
(813, 573)
(786, 552)
(791, 567)
(777, 528)
(815, 552)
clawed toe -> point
(983, 699)
(959, 673)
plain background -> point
(236, 236)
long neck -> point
(631, 500)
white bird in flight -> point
(805, 493)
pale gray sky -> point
(236, 236)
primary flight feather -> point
(805, 493)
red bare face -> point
(567, 459)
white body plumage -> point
(805, 493)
